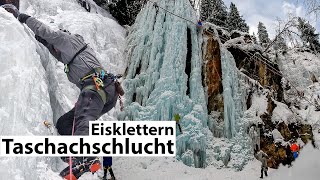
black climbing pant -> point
(89, 107)
(265, 170)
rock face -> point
(212, 80)
(266, 74)
(278, 151)
(250, 61)
(258, 69)
(212, 73)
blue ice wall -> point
(156, 81)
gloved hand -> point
(12, 9)
(23, 17)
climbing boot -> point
(81, 166)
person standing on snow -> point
(262, 157)
(295, 150)
(99, 91)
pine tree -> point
(214, 11)
(205, 10)
(219, 13)
(101, 2)
(308, 35)
(243, 26)
(126, 11)
(263, 34)
(235, 21)
(254, 38)
(280, 43)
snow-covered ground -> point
(305, 167)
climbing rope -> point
(72, 133)
(155, 4)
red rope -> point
(70, 158)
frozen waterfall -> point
(164, 75)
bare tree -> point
(284, 29)
(313, 6)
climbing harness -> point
(98, 75)
(66, 66)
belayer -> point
(263, 158)
(295, 150)
(99, 90)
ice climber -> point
(99, 90)
(262, 157)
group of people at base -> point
(263, 157)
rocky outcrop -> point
(212, 72)
(278, 152)
(258, 69)
(211, 80)
(251, 62)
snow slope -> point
(306, 167)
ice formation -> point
(164, 75)
(24, 101)
(234, 103)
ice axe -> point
(177, 119)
